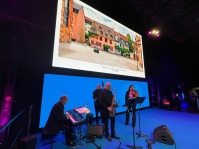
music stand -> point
(139, 102)
(132, 101)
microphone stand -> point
(139, 132)
(134, 146)
(29, 119)
(132, 102)
(118, 147)
(91, 139)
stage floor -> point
(181, 127)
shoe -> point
(108, 138)
(114, 136)
(70, 143)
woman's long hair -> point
(130, 87)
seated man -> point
(57, 120)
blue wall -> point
(80, 90)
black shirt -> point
(105, 98)
(96, 96)
(56, 116)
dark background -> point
(26, 47)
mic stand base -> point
(141, 135)
(118, 147)
(134, 147)
(92, 140)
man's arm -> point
(94, 95)
(58, 114)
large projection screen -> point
(86, 39)
(80, 91)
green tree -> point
(130, 42)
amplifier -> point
(95, 131)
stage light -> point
(157, 35)
(154, 32)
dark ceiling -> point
(178, 20)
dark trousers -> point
(133, 107)
(106, 118)
(67, 126)
(97, 111)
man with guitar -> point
(107, 100)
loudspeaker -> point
(163, 135)
(95, 131)
(28, 142)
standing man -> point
(57, 120)
(96, 102)
(106, 99)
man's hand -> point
(68, 115)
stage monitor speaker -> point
(95, 131)
(28, 142)
(163, 135)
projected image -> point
(80, 93)
(86, 39)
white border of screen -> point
(81, 65)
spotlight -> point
(157, 35)
(154, 32)
(149, 32)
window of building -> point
(105, 39)
(75, 10)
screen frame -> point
(89, 66)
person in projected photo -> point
(96, 102)
(57, 120)
(131, 93)
(106, 98)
